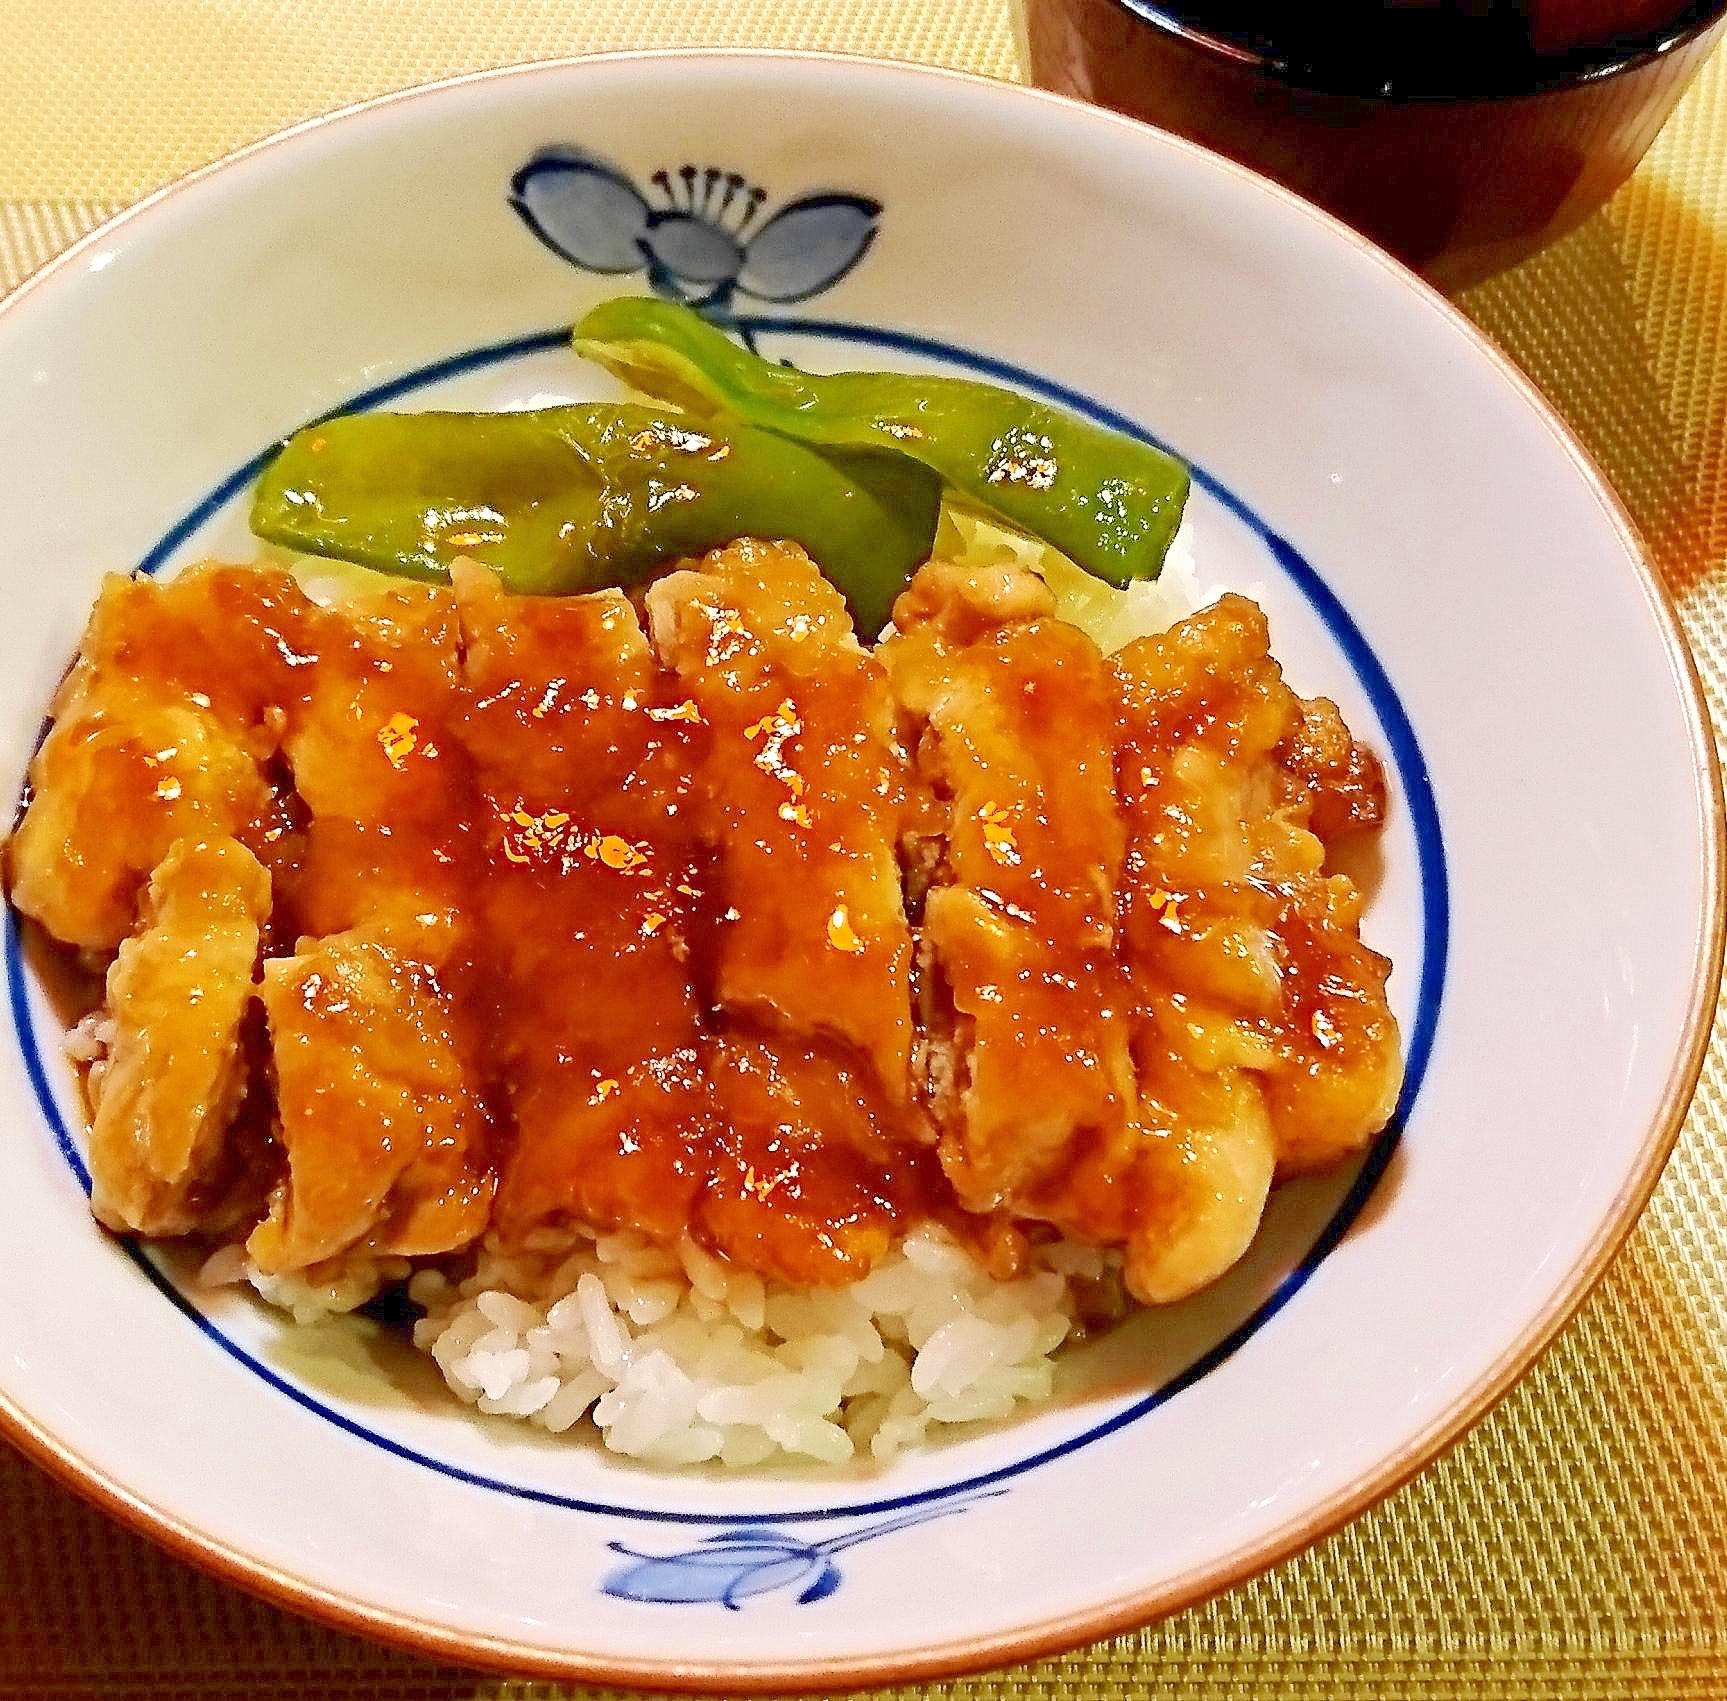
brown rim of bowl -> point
(1573, 68)
(1055, 1635)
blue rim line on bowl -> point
(1394, 721)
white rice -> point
(309, 1296)
(89, 1044)
(677, 1358)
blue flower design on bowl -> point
(732, 1565)
(703, 243)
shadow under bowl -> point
(1460, 163)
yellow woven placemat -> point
(1576, 1545)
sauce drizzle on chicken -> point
(449, 913)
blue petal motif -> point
(823, 1586)
(693, 250)
(730, 1566)
(808, 246)
(697, 247)
(725, 1573)
(582, 209)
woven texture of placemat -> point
(1575, 1546)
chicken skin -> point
(158, 735)
(1236, 937)
(1262, 1037)
(799, 796)
(178, 993)
(1026, 1036)
(380, 1104)
(800, 791)
(1155, 1000)
(446, 914)
(587, 904)
(383, 1129)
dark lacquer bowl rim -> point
(1574, 69)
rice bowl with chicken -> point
(1365, 470)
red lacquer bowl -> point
(1460, 167)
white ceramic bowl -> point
(1435, 553)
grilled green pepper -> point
(1109, 503)
(574, 498)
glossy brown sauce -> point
(586, 915)
(1244, 954)
(1014, 719)
(589, 909)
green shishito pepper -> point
(568, 499)
(1109, 503)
